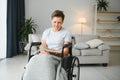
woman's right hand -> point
(43, 51)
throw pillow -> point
(103, 47)
(94, 43)
(36, 38)
(81, 46)
(27, 47)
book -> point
(49, 50)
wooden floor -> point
(12, 69)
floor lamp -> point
(82, 21)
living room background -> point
(40, 11)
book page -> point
(49, 50)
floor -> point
(12, 69)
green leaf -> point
(102, 5)
(28, 26)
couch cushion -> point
(36, 38)
(27, 47)
(103, 47)
(91, 52)
(81, 45)
(76, 52)
(94, 43)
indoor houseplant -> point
(28, 26)
(102, 5)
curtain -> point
(15, 14)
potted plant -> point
(28, 26)
(102, 5)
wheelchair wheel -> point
(75, 69)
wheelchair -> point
(70, 63)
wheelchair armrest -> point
(67, 46)
(33, 44)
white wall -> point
(114, 5)
(3, 28)
(41, 11)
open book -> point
(49, 50)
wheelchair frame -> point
(70, 63)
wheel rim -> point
(75, 69)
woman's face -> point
(57, 23)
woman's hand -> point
(44, 52)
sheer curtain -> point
(3, 8)
(15, 14)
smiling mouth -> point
(57, 28)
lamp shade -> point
(82, 20)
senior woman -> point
(47, 65)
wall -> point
(114, 5)
(3, 31)
(41, 10)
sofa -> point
(90, 49)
